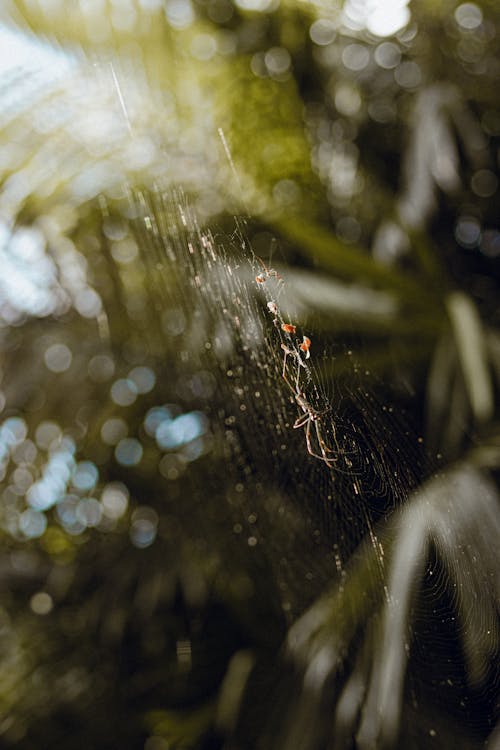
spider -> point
(267, 273)
(305, 346)
(312, 416)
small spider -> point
(267, 273)
(272, 307)
(305, 346)
(288, 328)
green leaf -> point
(472, 353)
(371, 610)
(348, 261)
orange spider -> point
(305, 346)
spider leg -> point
(297, 379)
(308, 439)
(301, 421)
(284, 361)
(323, 447)
(309, 445)
(321, 441)
(288, 352)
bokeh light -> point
(143, 526)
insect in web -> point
(267, 273)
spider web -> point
(193, 422)
(145, 409)
(320, 458)
(258, 421)
(276, 479)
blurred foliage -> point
(173, 575)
